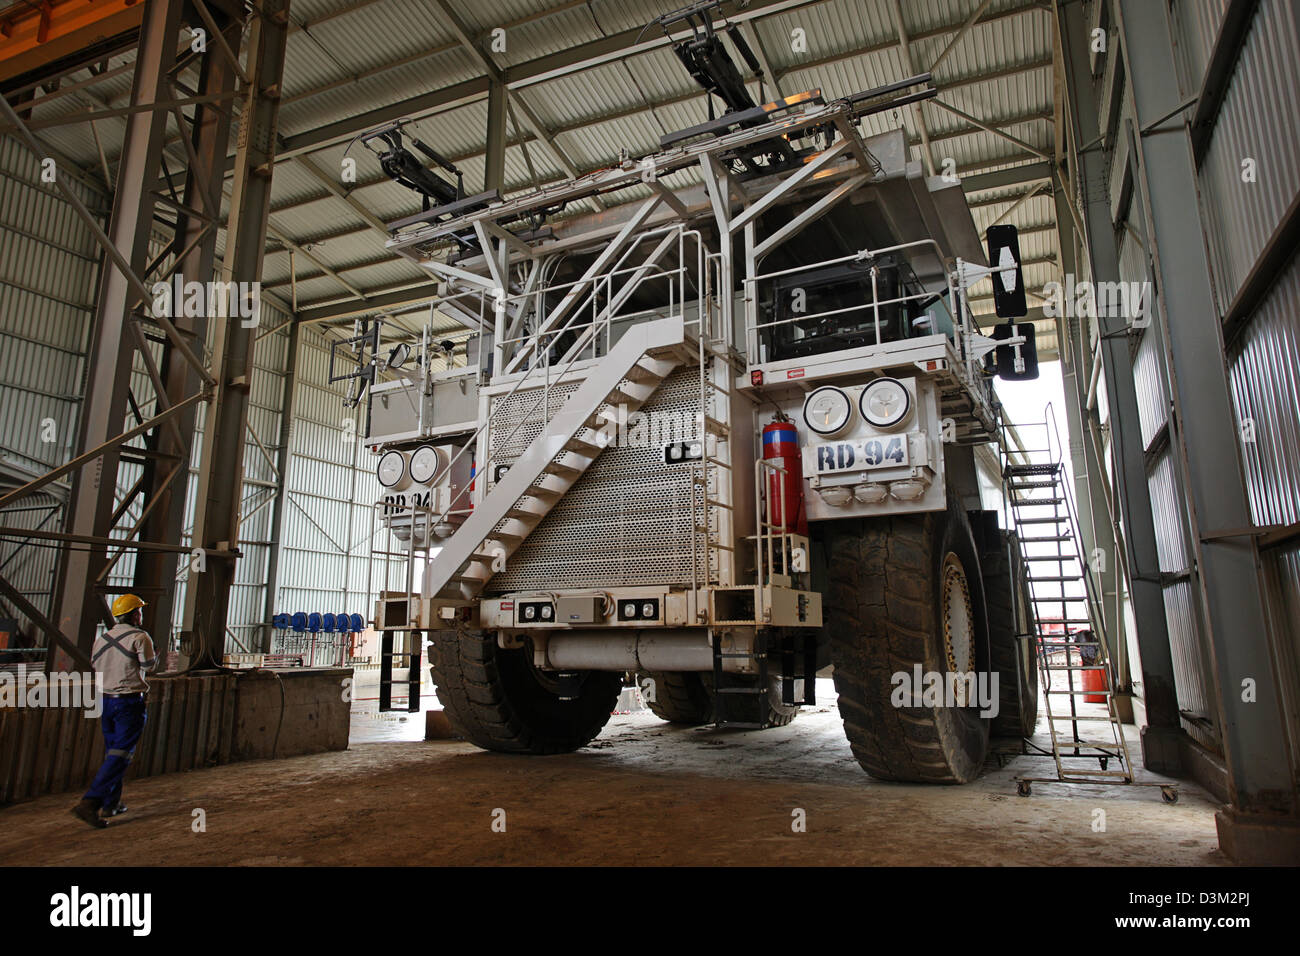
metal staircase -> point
(568, 444)
(1066, 617)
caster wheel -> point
(1022, 787)
(1169, 795)
(1104, 761)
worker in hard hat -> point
(122, 655)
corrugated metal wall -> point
(247, 616)
(1260, 122)
(49, 265)
(328, 522)
(1187, 638)
(1264, 366)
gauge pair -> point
(884, 403)
(395, 471)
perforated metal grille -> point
(627, 520)
(508, 411)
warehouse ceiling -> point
(586, 81)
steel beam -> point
(221, 466)
(1160, 738)
(909, 63)
(494, 163)
(1096, 521)
(210, 134)
(91, 507)
(1261, 777)
(287, 416)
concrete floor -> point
(644, 792)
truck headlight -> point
(871, 493)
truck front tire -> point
(905, 590)
(497, 700)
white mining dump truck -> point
(712, 433)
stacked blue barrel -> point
(314, 622)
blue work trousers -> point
(123, 723)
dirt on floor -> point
(644, 792)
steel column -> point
(1160, 738)
(287, 411)
(203, 192)
(221, 468)
(494, 162)
(103, 414)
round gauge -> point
(885, 403)
(392, 468)
(547, 611)
(426, 462)
(647, 610)
(827, 410)
(629, 610)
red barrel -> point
(785, 506)
(1094, 680)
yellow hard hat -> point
(125, 604)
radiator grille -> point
(627, 519)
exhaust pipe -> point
(628, 650)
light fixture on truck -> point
(836, 497)
(871, 493)
(908, 489)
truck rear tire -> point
(686, 697)
(680, 697)
(1009, 609)
(765, 710)
(906, 590)
(497, 700)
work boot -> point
(88, 811)
(116, 811)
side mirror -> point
(1002, 360)
(1008, 282)
(398, 356)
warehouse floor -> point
(643, 793)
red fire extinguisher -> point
(785, 505)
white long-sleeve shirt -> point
(124, 659)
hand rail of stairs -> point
(586, 337)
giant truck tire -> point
(679, 697)
(1006, 590)
(497, 700)
(905, 590)
(686, 697)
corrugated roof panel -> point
(989, 44)
(412, 79)
(549, 34)
(578, 98)
(313, 218)
(826, 29)
(848, 75)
